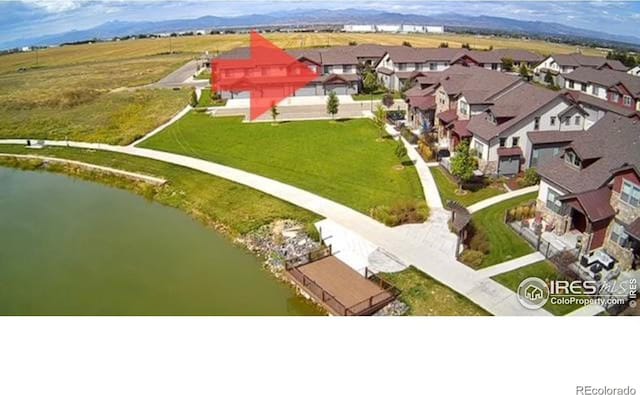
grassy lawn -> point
(375, 96)
(447, 189)
(205, 75)
(341, 160)
(233, 208)
(505, 244)
(207, 101)
(544, 270)
(426, 296)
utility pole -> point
(36, 48)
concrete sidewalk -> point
(488, 294)
(511, 265)
(501, 198)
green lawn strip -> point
(207, 101)
(205, 75)
(505, 244)
(544, 270)
(344, 160)
(230, 207)
(375, 96)
(426, 296)
(447, 188)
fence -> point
(309, 257)
(546, 248)
(317, 291)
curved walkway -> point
(488, 294)
(501, 198)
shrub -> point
(472, 258)
(519, 211)
(480, 242)
(401, 151)
(387, 100)
(426, 151)
(531, 177)
(406, 212)
(512, 213)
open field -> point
(504, 243)
(61, 89)
(186, 47)
(233, 208)
(447, 189)
(426, 296)
(544, 270)
(340, 160)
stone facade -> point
(625, 214)
(561, 222)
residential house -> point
(501, 134)
(591, 192)
(493, 59)
(556, 65)
(613, 86)
(635, 71)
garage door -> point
(240, 95)
(309, 90)
(338, 89)
(509, 165)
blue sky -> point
(30, 18)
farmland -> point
(82, 92)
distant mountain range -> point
(317, 17)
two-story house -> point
(613, 86)
(592, 190)
(557, 65)
(501, 135)
(494, 59)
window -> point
(618, 234)
(514, 141)
(615, 97)
(571, 84)
(571, 158)
(577, 120)
(536, 123)
(594, 90)
(627, 100)
(402, 66)
(552, 121)
(433, 66)
(553, 202)
(567, 121)
(630, 193)
(503, 141)
(478, 147)
(327, 69)
(583, 87)
(494, 66)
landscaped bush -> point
(530, 178)
(472, 258)
(425, 151)
(406, 212)
(479, 241)
(410, 137)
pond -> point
(72, 247)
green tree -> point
(380, 120)
(401, 150)
(466, 46)
(548, 79)
(463, 164)
(444, 44)
(507, 64)
(193, 99)
(524, 71)
(370, 82)
(274, 112)
(332, 104)
(387, 100)
(407, 44)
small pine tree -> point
(380, 119)
(193, 99)
(444, 44)
(274, 112)
(548, 79)
(524, 71)
(370, 82)
(332, 104)
(507, 64)
(463, 163)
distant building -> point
(359, 28)
(635, 71)
(388, 28)
(434, 29)
(25, 49)
(412, 29)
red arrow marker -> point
(270, 75)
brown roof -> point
(422, 102)
(605, 77)
(510, 151)
(634, 229)
(553, 136)
(612, 143)
(460, 128)
(576, 60)
(448, 116)
(583, 98)
(511, 108)
(596, 203)
(403, 54)
(478, 85)
(496, 56)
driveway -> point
(182, 77)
